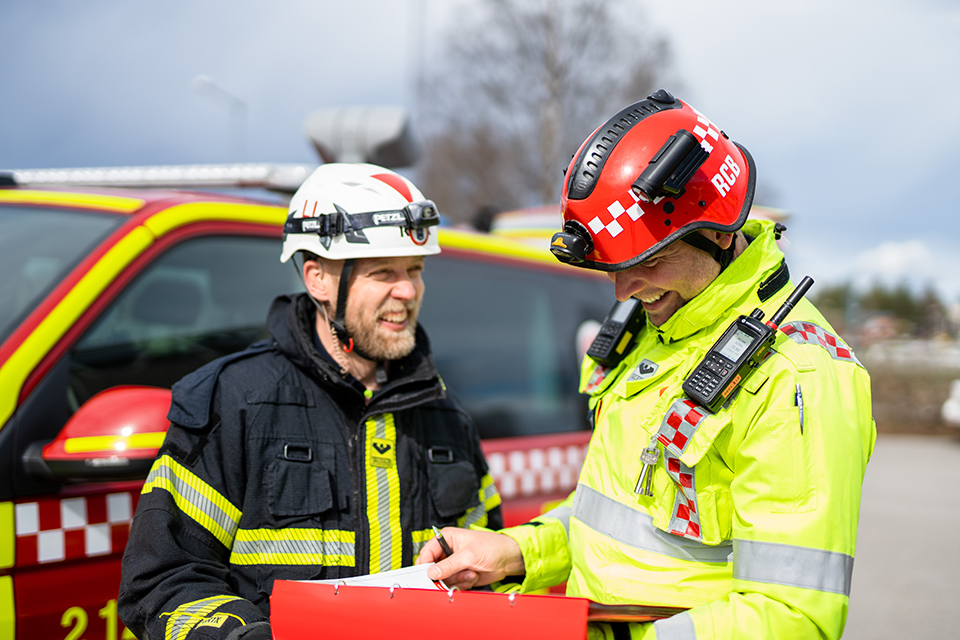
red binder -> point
(303, 610)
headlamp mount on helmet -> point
(413, 217)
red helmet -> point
(652, 174)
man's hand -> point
(479, 558)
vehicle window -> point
(38, 248)
(202, 299)
(504, 340)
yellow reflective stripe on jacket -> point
(489, 500)
(185, 617)
(294, 546)
(195, 498)
(420, 538)
(8, 612)
(383, 494)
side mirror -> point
(114, 436)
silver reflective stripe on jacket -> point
(678, 627)
(562, 514)
(635, 528)
(792, 566)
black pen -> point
(443, 543)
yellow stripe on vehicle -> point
(195, 498)
(75, 200)
(51, 329)
(383, 494)
(493, 245)
(294, 547)
(167, 220)
(89, 444)
(7, 535)
(8, 612)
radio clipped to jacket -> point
(739, 350)
(617, 333)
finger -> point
(431, 552)
(449, 566)
(462, 580)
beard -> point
(378, 342)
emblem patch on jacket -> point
(383, 454)
(643, 371)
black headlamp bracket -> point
(671, 167)
(414, 216)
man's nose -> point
(625, 284)
(404, 289)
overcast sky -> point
(851, 108)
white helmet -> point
(346, 211)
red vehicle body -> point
(100, 321)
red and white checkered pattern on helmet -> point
(55, 530)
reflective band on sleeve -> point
(677, 627)
(195, 498)
(420, 538)
(792, 566)
(185, 617)
(624, 524)
(809, 333)
(294, 547)
(560, 513)
(383, 494)
(489, 500)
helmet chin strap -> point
(723, 256)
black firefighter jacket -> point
(275, 467)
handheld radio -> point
(617, 333)
(738, 351)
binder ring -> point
(336, 587)
(392, 587)
(450, 594)
(513, 596)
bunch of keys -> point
(648, 457)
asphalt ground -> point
(906, 575)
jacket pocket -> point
(696, 505)
(299, 482)
(454, 487)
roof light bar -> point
(285, 178)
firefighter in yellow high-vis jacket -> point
(747, 515)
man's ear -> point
(318, 281)
(722, 240)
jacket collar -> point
(413, 379)
(735, 288)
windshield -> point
(38, 247)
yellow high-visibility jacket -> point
(753, 521)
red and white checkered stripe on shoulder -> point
(809, 333)
(540, 469)
(60, 529)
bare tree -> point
(521, 85)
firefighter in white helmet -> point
(740, 513)
(327, 451)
